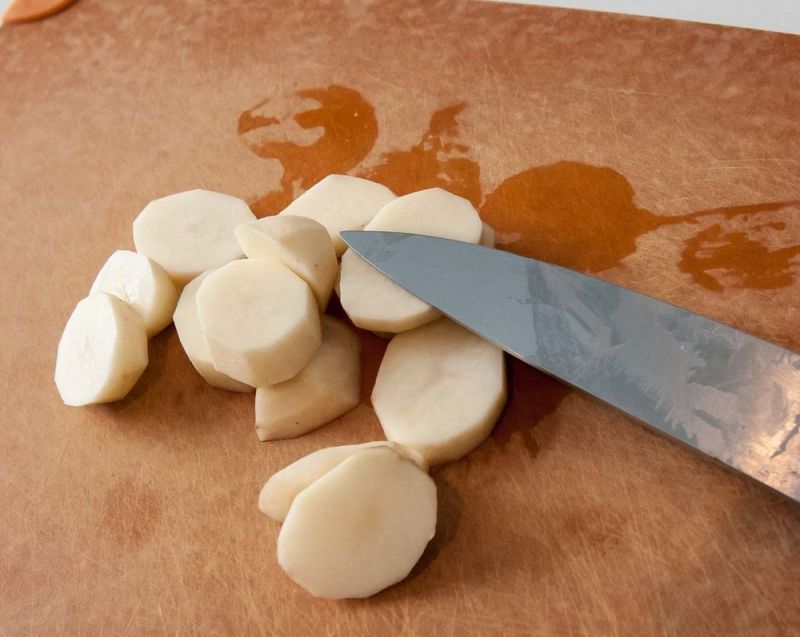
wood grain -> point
(660, 155)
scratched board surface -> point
(659, 155)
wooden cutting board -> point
(659, 155)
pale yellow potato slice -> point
(434, 212)
(280, 490)
(359, 528)
(187, 325)
(142, 284)
(102, 351)
(439, 390)
(300, 243)
(190, 232)
(374, 302)
(327, 387)
(260, 320)
(341, 202)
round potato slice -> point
(102, 351)
(187, 325)
(341, 202)
(280, 490)
(260, 320)
(374, 302)
(433, 212)
(190, 232)
(359, 528)
(142, 284)
(327, 387)
(439, 390)
(300, 243)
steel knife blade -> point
(728, 394)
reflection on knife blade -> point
(728, 394)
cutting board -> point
(659, 155)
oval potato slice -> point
(280, 490)
(187, 325)
(300, 243)
(142, 284)
(102, 351)
(341, 202)
(327, 387)
(190, 232)
(359, 528)
(373, 301)
(439, 390)
(260, 320)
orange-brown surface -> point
(663, 156)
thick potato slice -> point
(142, 284)
(439, 390)
(187, 325)
(280, 490)
(190, 232)
(300, 243)
(260, 320)
(359, 528)
(102, 351)
(434, 212)
(341, 202)
(374, 302)
(327, 387)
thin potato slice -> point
(190, 232)
(439, 390)
(300, 243)
(359, 528)
(187, 325)
(374, 302)
(102, 351)
(341, 202)
(142, 284)
(280, 490)
(260, 320)
(327, 387)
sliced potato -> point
(434, 212)
(187, 325)
(280, 490)
(327, 387)
(260, 320)
(142, 284)
(439, 390)
(360, 527)
(374, 302)
(102, 351)
(190, 232)
(300, 243)
(341, 202)
(488, 236)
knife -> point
(730, 395)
